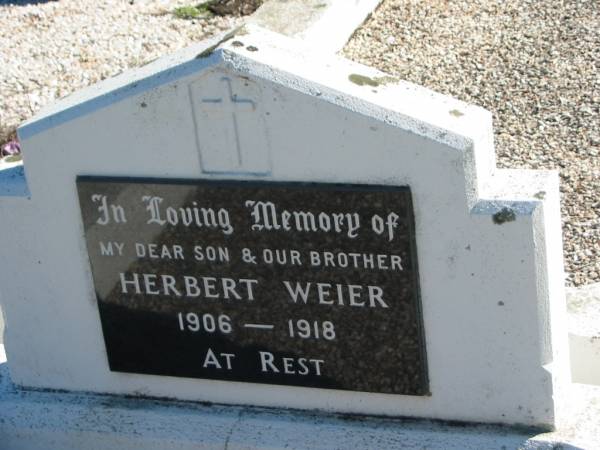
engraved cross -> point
(230, 104)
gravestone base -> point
(48, 420)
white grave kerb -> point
(488, 240)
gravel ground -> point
(50, 49)
(535, 64)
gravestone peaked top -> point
(483, 336)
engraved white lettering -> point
(155, 251)
(345, 294)
(267, 217)
(379, 225)
(211, 360)
(118, 213)
(107, 249)
(355, 260)
(188, 286)
(124, 283)
(188, 216)
(289, 365)
(297, 291)
(266, 362)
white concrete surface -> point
(38, 420)
(325, 25)
(12, 179)
(492, 296)
(584, 333)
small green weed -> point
(192, 11)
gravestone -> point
(252, 222)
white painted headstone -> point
(263, 108)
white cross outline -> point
(230, 103)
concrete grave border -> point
(46, 420)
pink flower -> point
(11, 148)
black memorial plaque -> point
(282, 283)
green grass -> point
(192, 11)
